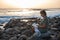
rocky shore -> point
(21, 29)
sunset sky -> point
(29, 3)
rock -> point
(13, 38)
(23, 37)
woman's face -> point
(42, 15)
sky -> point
(29, 3)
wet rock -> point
(28, 33)
(23, 37)
(13, 38)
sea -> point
(50, 14)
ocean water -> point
(4, 19)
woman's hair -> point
(43, 12)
